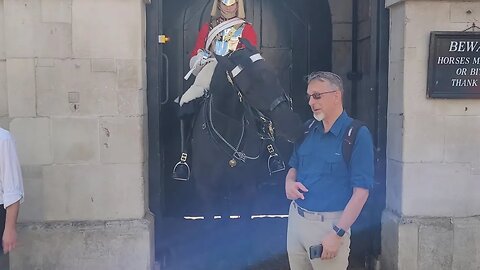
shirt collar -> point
(337, 126)
(339, 123)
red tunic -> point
(248, 33)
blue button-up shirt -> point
(321, 167)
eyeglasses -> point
(318, 96)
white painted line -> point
(193, 218)
(237, 217)
(269, 216)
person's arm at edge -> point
(12, 183)
(9, 239)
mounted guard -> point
(220, 37)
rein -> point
(221, 141)
(266, 132)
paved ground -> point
(184, 247)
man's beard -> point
(319, 116)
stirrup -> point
(275, 163)
(181, 171)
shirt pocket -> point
(336, 166)
(312, 165)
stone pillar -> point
(342, 43)
(433, 155)
(72, 92)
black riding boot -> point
(187, 114)
(181, 171)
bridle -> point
(265, 130)
(239, 68)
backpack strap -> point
(309, 125)
(349, 140)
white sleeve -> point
(11, 174)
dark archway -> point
(295, 37)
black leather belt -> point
(319, 216)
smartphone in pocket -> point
(316, 251)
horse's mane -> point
(242, 57)
(223, 94)
(219, 79)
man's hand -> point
(331, 245)
(9, 240)
(294, 190)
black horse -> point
(232, 138)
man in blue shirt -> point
(327, 194)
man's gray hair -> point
(323, 76)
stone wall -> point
(433, 166)
(72, 92)
(342, 43)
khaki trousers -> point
(308, 230)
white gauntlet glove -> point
(197, 62)
(201, 83)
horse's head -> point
(261, 89)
